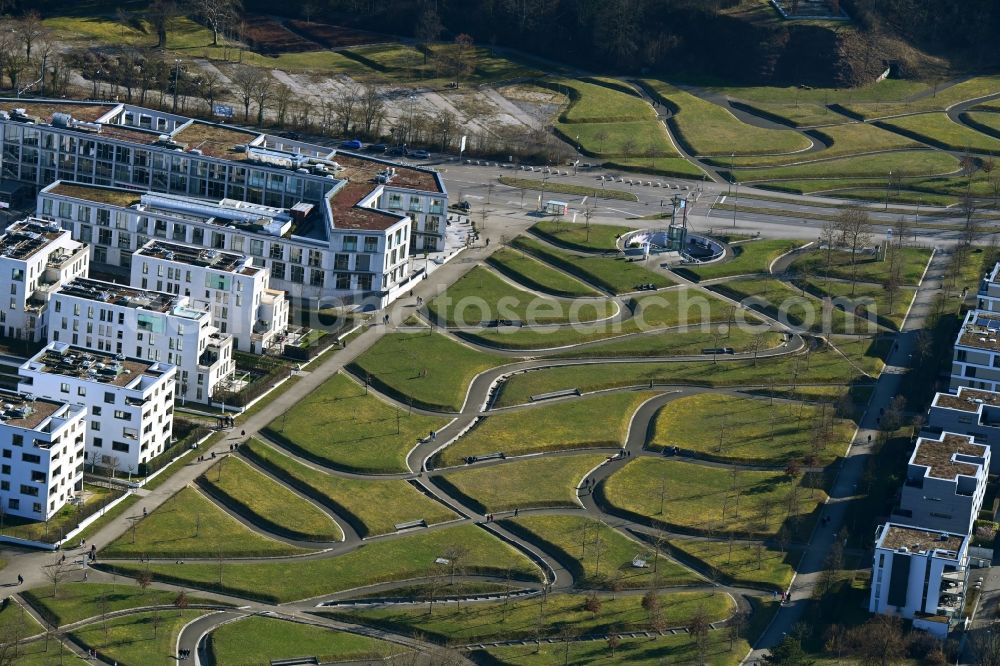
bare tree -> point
(55, 573)
(854, 226)
(262, 93)
(30, 28)
(698, 628)
(282, 100)
(159, 15)
(372, 109)
(985, 645)
(217, 14)
(345, 106)
(879, 641)
(245, 81)
(209, 88)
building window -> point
(277, 270)
(371, 244)
(298, 275)
(341, 262)
(119, 446)
(316, 278)
(350, 243)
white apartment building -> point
(366, 257)
(921, 575)
(125, 146)
(37, 257)
(989, 291)
(235, 292)
(129, 402)
(41, 454)
(945, 484)
(144, 324)
(976, 361)
(972, 412)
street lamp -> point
(736, 205)
(732, 160)
(177, 68)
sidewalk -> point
(845, 487)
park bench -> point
(410, 524)
(555, 394)
(295, 661)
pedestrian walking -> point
(20, 579)
(144, 512)
(433, 436)
(515, 512)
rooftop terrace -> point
(915, 540)
(20, 411)
(96, 193)
(25, 238)
(197, 256)
(939, 455)
(981, 330)
(214, 140)
(967, 400)
(348, 215)
(61, 359)
(117, 294)
(44, 110)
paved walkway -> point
(845, 487)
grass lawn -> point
(889, 90)
(709, 129)
(617, 276)
(620, 139)
(938, 129)
(598, 103)
(64, 520)
(554, 187)
(372, 506)
(598, 238)
(669, 308)
(338, 425)
(824, 367)
(481, 295)
(704, 499)
(904, 162)
(798, 115)
(674, 649)
(837, 264)
(843, 139)
(190, 525)
(868, 300)
(590, 421)
(750, 430)
(795, 308)
(867, 353)
(269, 503)
(382, 561)
(257, 640)
(427, 368)
(533, 274)
(678, 167)
(990, 120)
(599, 556)
(487, 621)
(78, 601)
(739, 565)
(943, 97)
(17, 623)
(673, 343)
(534, 482)
(749, 257)
(134, 640)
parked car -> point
(420, 154)
(396, 151)
(353, 144)
(377, 148)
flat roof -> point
(214, 140)
(19, 411)
(915, 539)
(348, 215)
(43, 110)
(227, 262)
(967, 399)
(981, 330)
(939, 455)
(97, 193)
(23, 239)
(358, 167)
(62, 359)
(118, 294)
